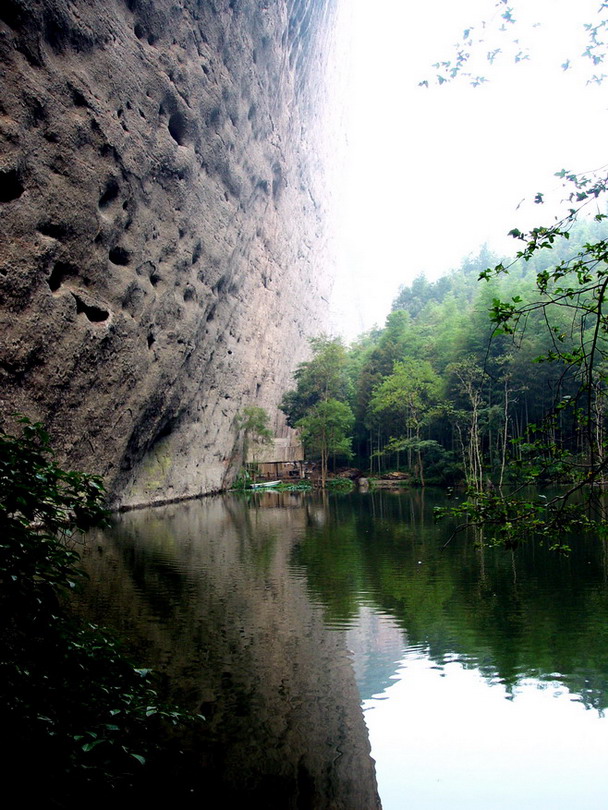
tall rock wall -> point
(162, 238)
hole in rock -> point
(189, 293)
(277, 182)
(78, 98)
(196, 253)
(178, 128)
(54, 32)
(151, 339)
(165, 430)
(36, 109)
(151, 39)
(53, 229)
(118, 255)
(139, 31)
(110, 193)
(11, 187)
(12, 14)
(155, 278)
(93, 313)
(59, 273)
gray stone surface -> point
(162, 244)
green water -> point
(287, 619)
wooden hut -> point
(279, 459)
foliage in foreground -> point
(73, 708)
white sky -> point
(431, 174)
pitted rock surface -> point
(162, 241)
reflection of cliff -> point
(377, 644)
(162, 224)
(208, 589)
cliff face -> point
(162, 247)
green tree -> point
(253, 422)
(578, 286)
(561, 324)
(325, 431)
(468, 420)
(323, 377)
(410, 395)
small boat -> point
(265, 484)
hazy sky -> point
(431, 174)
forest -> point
(493, 375)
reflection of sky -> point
(377, 644)
(444, 735)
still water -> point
(339, 649)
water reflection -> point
(249, 607)
(499, 659)
(511, 615)
(205, 590)
(444, 735)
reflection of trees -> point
(527, 614)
